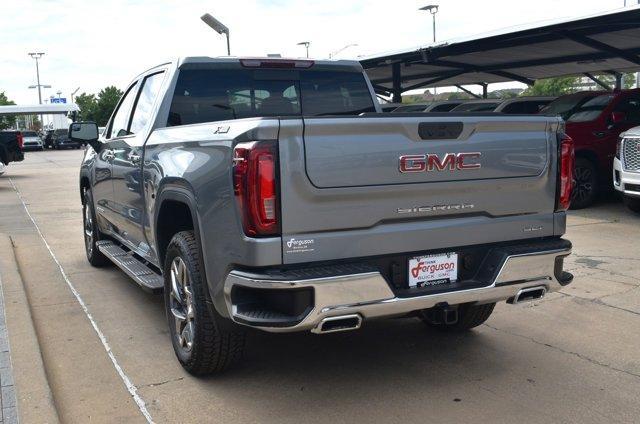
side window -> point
(120, 122)
(144, 104)
(631, 108)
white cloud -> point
(92, 44)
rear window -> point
(61, 132)
(476, 107)
(591, 109)
(208, 95)
(565, 106)
(29, 134)
(525, 106)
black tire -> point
(633, 203)
(91, 232)
(214, 345)
(585, 189)
(469, 316)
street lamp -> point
(37, 56)
(306, 44)
(433, 9)
(74, 93)
(342, 49)
(218, 27)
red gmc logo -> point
(432, 162)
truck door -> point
(131, 217)
(103, 179)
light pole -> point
(306, 45)
(342, 49)
(218, 27)
(74, 93)
(433, 9)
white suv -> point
(626, 168)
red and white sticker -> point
(433, 269)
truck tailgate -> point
(371, 185)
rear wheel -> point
(585, 189)
(469, 316)
(91, 232)
(199, 340)
(633, 203)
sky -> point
(91, 44)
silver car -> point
(31, 140)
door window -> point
(631, 109)
(146, 99)
(120, 122)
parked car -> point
(443, 105)
(31, 141)
(626, 168)
(595, 127)
(484, 105)
(274, 195)
(11, 143)
(524, 105)
(61, 140)
(565, 106)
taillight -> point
(565, 173)
(20, 140)
(255, 187)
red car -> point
(595, 120)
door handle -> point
(135, 159)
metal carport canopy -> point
(38, 109)
(607, 42)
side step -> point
(139, 272)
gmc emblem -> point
(432, 162)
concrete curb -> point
(34, 396)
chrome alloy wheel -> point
(181, 303)
(88, 228)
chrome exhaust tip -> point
(338, 323)
(528, 295)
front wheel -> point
(91, 232)
(199, 341)
(633, 203)
(469, 316)
(585, 189)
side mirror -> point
(85, 133)
(618, 117)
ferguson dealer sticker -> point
(300, 245)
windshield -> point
(29, 134)
(591, 109)
(61, 132)
(565, 106)
(208, 95)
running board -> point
(144, 276)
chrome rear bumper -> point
(369, 295)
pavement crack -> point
(568, 352)
(160, 383)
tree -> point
(6, 121)
(551, 87)
(105, 104)
(87, 104)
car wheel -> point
(469, 316)
(633, 203)
(91, 233)
(199, 341)
(585, 189)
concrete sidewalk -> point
(8, 394)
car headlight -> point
(619, 147)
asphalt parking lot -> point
(571, 357)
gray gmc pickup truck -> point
(273, 194)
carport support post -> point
(484, 90)
(618, 81)
(397, 83)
